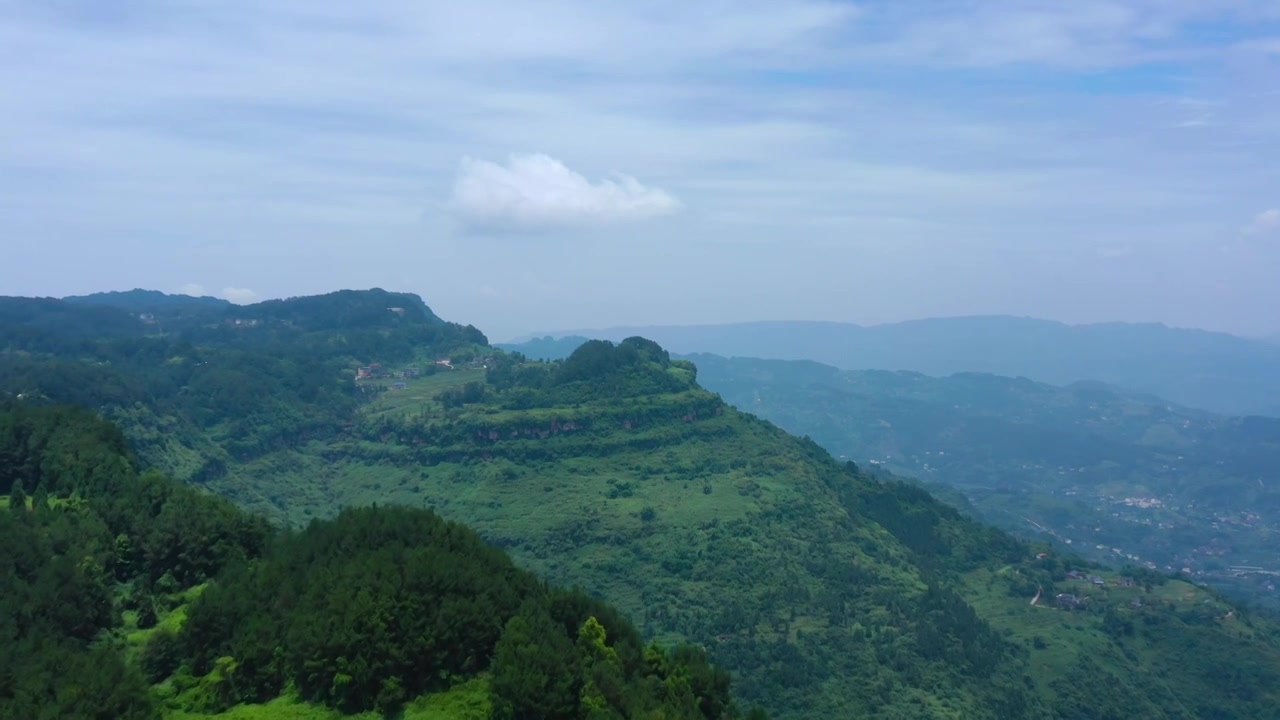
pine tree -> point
(147, 613)
(535, 669)
(17, 498)
(124, 556)
(603, 681)
(40, 501)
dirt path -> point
(1036, 599)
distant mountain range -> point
(1196, 368)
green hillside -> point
(827, 591)
(228, 386)
(1147, 481)
(129, 596)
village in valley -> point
(420, 382)
(375, 371)
(1081, 581)
(1125, 522)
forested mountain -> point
(228, 384)
(134, 596)
(47, 324)
(140, 302)
(1126, 478)
(828, 591)
(1195, 368)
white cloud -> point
(938, 134)
(239, 296)
(1267, 221)
(192, 289)
(538, 191)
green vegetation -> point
(154, 305)
(469, 700)
(114, 543)
(233, 383)
(826, 590)
(1097, 466)
(137, 580)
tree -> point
(146, 613)
(40, 501)
(603, 683)
(160, 656)
(535, 669)
(124, 555)
(17, 499)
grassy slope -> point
(1148, 652)
(676, 522)
(53, 502)
(467, 701)
(296, 485)
(683, 522)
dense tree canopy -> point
(94, 537)
(364, 612)
(252, 378)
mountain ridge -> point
(1029, 320)
(140, 300)
(1197, 368)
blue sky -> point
(534, 166)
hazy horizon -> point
(565, 332)
(588, 166)
(570, 331)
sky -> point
(531, 166)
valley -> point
(1121, 478)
